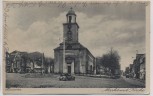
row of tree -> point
(110, 60)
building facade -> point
(137, 69)
(142, 67)
(71, 56)
(23, 62)
(137, 64)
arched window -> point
(70, 18)
(91, 68)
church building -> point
(71, 56)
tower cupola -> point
(71, 16)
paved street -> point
(19, 80)
(134, 81)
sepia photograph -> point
(55, 45)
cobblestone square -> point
(17, 80)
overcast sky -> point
(102, 26)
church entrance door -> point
(69, 69)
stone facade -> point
(142, 68)
(71, 56)
(137, 69)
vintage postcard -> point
(76, 47)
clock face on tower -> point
(69, 33)
(69, 26)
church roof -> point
(71, 12)
(75, 46)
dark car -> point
(115, 76)
(66, 77)
(127, 75)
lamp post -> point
(42, 63)
(64, 66)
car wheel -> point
(65, 79)
(74, 78)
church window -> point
(70, 18)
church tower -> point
(71, 56)
(70, 28)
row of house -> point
(23, 62)
(137, 69)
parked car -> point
(127, 75)
(116, 76)
(66, 77)
(130, 75)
